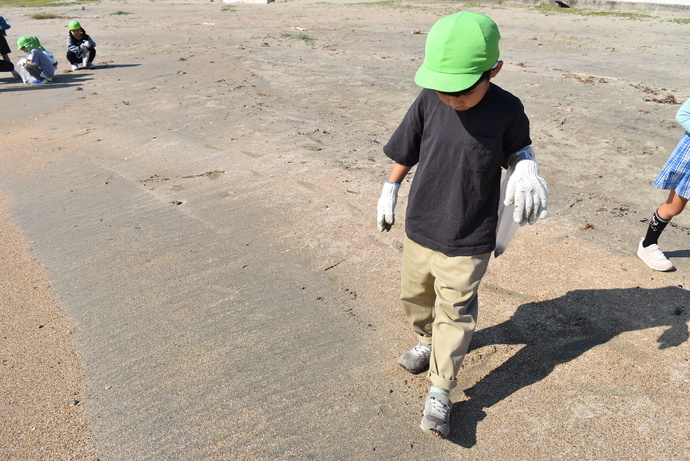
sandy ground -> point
(582, 351)
(41, 373)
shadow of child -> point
(557, 331)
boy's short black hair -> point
(485, 76)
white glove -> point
(389, 197)
(526, 189)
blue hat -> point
(3, 24)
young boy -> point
(81, 49)
(39, 65)
(459, 132)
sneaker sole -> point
(435, 432)
(413, 371)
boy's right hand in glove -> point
(386, 207)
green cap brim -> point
(448, 83)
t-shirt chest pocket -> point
(479, 154)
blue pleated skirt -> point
(676, 173)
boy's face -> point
(468, 99)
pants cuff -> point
(442, 383)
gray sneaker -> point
(416, 360)
(437, 414)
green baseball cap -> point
(21, 42)
(31, 43)
(74, 25)
(459, 49)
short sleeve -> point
(404, 145)
(683, 116)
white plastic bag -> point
(23, 73)
(506, 225)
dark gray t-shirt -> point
(453, 202)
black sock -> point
(656, 227)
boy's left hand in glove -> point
(526, 189)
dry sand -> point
(41, 387)
(582, 350)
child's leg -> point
(417, 299)
(34, 71)
(673, 206)
(418, 296)
(456, 286)
(456, 283)
(72, 58)
(648, 249)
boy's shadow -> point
(560, 330)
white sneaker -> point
(75, 66)
(654, 257)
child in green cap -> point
(459, 132)
(81, 49)
(39, 65)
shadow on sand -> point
(560, 330)
(61, 79)
(112, 66)
(677, 254)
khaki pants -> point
(439, 296)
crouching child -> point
(39, 65)
(81, 49)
